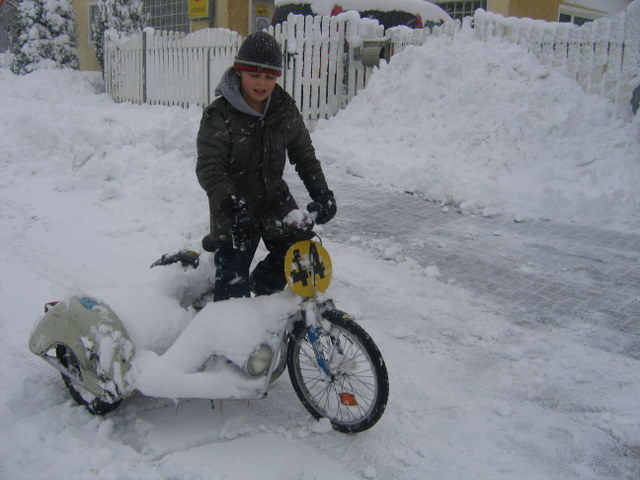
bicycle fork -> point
(325, 360)
(321, 361)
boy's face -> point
(256, 87)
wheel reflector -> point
(348, 399)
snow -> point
(532, 159)
(177, 374)
(93, 192)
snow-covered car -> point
(411, 13)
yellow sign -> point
(307, 267)
(262, 10)
(198, 9)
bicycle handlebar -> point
(296, 223)
(274, 229)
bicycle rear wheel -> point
(338, 373)
(94, 405)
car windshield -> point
(391, 18)
(282, 11)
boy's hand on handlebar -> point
(244, 226)
(244, 229)
(295, 222)
(299, 220)
(324, 206)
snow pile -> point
(232, 330)
(92, 192)
(487, 128)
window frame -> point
(577, 12)
(172, 15)
(459, 9)
(92, 13)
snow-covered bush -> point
(44, 36)
(123, 16)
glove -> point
(324, 206)
(244, 226)
(244, 229)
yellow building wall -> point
(199, 24)
(86, 51)
(222, 13)
(499, 6)
(238, 16)
(540, 9)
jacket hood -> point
(229, 88)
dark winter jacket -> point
(242, 152)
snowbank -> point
(485, 127)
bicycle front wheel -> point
(338, 373)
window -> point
(459, 9)
(170, 15)
(579, 16)
(92, 14)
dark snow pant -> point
(232, 278)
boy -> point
(244, 138)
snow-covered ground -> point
(92, 192)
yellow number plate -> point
(307, 267)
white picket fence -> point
(602, 56)
(168, 68)
(316, 63)
(323, 58)
(322, 65)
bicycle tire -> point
(94, 405)
(354, 395)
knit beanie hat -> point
(261, 53)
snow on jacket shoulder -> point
(245, 155)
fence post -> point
(208, 75)
(144, 66)
(106, 67)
